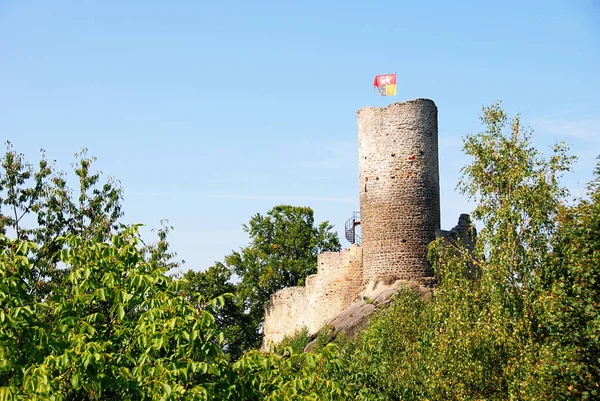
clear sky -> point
(211, 111)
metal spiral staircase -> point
(350, 231)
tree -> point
(569, 305)
(124, 330)
(36, 204)
(283, 250)
(119, 330)
(490, 346)
(231, 319)
(518, 197)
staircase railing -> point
(350, 229)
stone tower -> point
(399, 188)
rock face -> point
(399, 188)
(356, 316)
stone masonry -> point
(325, 295)
(400, 215)
(464, 232)
(399, 188)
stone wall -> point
(326, 294)
(399, 188)
(464, 232)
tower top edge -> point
(421, 100)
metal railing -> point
(350, 229)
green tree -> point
(283, 250)
(119, 330)
(231, 319)
(293, 376)
(124, 330)
(489, 343)
(36, 204)
(569, 366)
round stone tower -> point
(399, 188)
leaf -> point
(120, 312)
(75, 381)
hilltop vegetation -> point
(87, 311)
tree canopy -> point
(37, 205)
(283, 250)
(237, 325)
(88, 311)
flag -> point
(386, 84)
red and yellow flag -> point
(386, 84)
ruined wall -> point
(327, 293)
(463, 234)
(399, 188)
(464, 231)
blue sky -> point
(210, 112)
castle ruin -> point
(399, 217)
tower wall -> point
(399, 188)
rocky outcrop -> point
(376, 296)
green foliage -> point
(569, 306)
(517, 193)
(519, 198)
(324, 336)
(119, 330)
(283, 250)
(231, 319)
(296, 376)
(110, 324)
(37, 205)
(297, 342)
(386, 360)
(123, 330)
